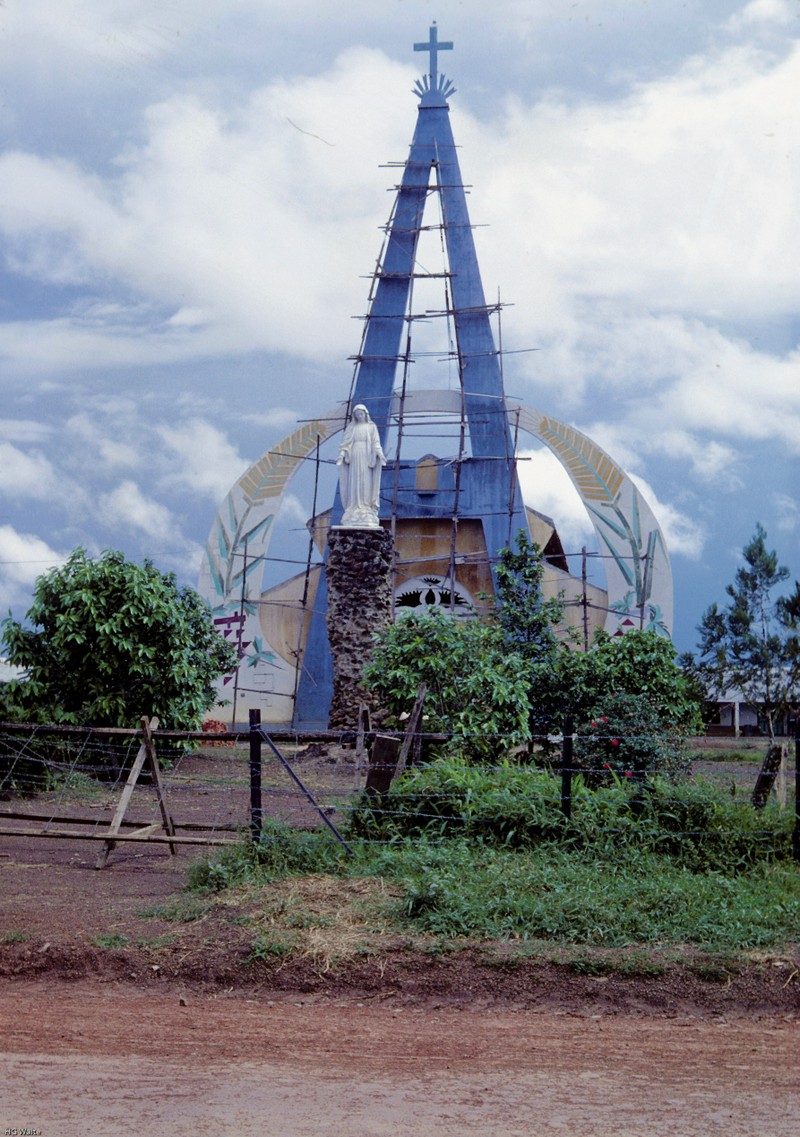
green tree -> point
(641, 664)
(475, 689)
(632, 705)
(110, 641)
(528, 621)
(485, 677)
(752, 644)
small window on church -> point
(428, 474)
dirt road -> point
(114, 1060)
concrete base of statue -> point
(359, 572)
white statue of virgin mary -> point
(361, 461)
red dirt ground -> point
(115, 1060)
(187, 1037)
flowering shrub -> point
(628, 740)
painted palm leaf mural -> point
(638, 570)
(238, 545)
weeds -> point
(461, 852)
(110, 942)
(185, 910)
(14, 936)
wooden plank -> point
(155, 838)
(412, 729)
(122, 806)
(66, 819)
(364, 728)
(775, 756)
(168, 823)
(145, 831)
(383, 762)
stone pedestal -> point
(359, 605)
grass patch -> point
(716, 967)
(752, 757)
(184, 910)
(156, 943)
(457, 889)
(14, 936)
(467, 854)
(111, 941)
(75, 785)
(325, 917)
(574, 898)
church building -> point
(429, 371)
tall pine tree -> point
(752, 645)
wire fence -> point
(75, 783)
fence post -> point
(255, 773)
(566, 768)
(796, 834)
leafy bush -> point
(628, 740)
(498, 682)
(111, 641)
(520, 807)
(476, 690)
(640, 664)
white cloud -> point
(788, 512)
(293, 511)
(277, 418)
(761, 13)
(112, 35)
(126, 506)
(24, 430)
(652, 219)
(679, 194)
(23, 557)
(712, 462)
(735, 391)
(25, 475)
(8, 672)
(204, 459)
(546, 487)
(111, 451)
(684, 537)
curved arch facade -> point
(637, 566)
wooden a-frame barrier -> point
(116, 830)
(147, 753)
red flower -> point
(615, 742)
(604, 719)
(592, 723)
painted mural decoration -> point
(637, 566)
(638, 571)
(432, 592)
(233, 566)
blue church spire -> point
(483, 484)
(433, 149)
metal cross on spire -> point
(433, 46)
